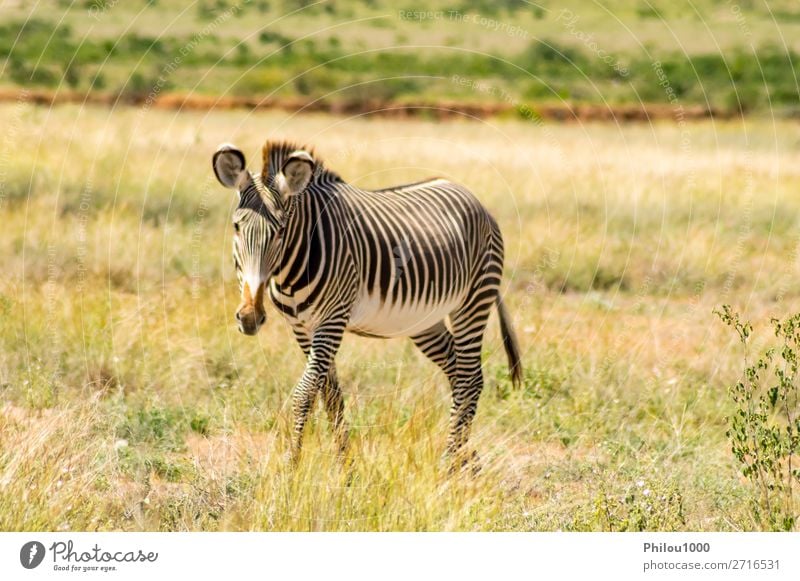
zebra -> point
(421, 260)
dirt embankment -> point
(440, 110)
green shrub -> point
(164, 428)
(764, 429)
(643, 506)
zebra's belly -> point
(370, 316)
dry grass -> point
(129, 401)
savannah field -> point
(129, 401)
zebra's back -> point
(417, 248)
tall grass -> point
(129, 401)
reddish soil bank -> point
(441, 110)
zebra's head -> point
(258, 223)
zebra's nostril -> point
(238, 316)
(261, 320)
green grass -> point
(129, 401)
(728, 57)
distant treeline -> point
(134, 65)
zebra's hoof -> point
(464, 463)
(290, 460)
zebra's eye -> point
(236, 227)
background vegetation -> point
(722, 55)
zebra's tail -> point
(510, 343)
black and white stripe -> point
(422, 261)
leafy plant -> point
(645, 506)
(764, 429)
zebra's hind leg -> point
(437, 345)
(469, 324)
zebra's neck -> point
(298, 242)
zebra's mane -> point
(275, 153)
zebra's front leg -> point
(334, 406)
(303, 396)
(324, 345)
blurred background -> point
(719, 55)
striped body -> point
(422, 261)
(402, 275)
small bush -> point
(644, 506)
(764, 429)
(163, 427)
(200, 424)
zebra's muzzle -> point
(250, 315)
(250, 322)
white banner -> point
(414, 556)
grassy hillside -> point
(715, 54)
(128, 400)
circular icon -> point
(31, 554)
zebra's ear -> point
(229, 166)
(295, 174)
